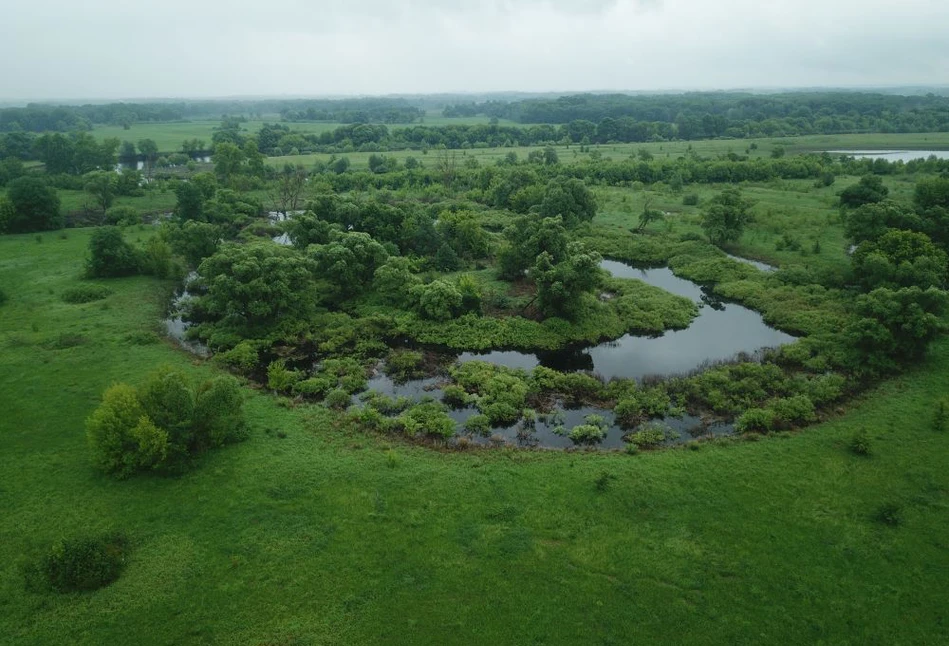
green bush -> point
(941, 416)
(793, 411)
(110, 255)
(280, 378)
(156, 258)
(81, 564)
(316, 386)
(859, 443)
(592, 431)
(427, 418)
(85, 294)
(690, 199)
(243, 357)
(755, 420)
(122, 216)
(163, 422)
(455, 396)
(403, 365)
(337, 399)
(649, 435)
(478, 425)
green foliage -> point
(122, 216)
(570, 199)
(190, 204)
(637, 405)
(592, 431)
(725, 216)
(756, 420)
(394, 281)
(872, 220)
(860, 444)
(868, 190)
(562, 285)
(110, 255)
(894, 326)
(427, 418)
(462, 231)
(85, 293)
(439, 300)
(478, 425)
(649, 435)
(348, 261)
(280, 378)
(34, 206)
(941, 416)
(163, 422)
(81, 564)
(243, 357)
(690, 199)
(900, 259)
(306, 228)
(337, 399)
(403, 365)
(102, 185)
(792, 411)
(446, 258)
(193, 240)
(156, 258)
(502, 392)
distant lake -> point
(892, 155)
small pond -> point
(892, 155)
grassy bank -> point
(308, 534)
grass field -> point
(307, 534)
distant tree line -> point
(697, 115)
(38, 117)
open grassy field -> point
(668, 149)
(308, 534)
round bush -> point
(83, 564)
(85, 294)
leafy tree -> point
(725, 217)
(348, 261)
(110, 255)
(102, 185)
(894, 327)
(34, 206)
(228, 160)
(561, 285)
(190, 204)
(870, 221)
(122, 437)
(570, 199)
(340, 165)
(305, 229)
(868, 190)
(932, 192)
(446, 259)
(900, 259)
(527, 238)
(149, 150)
(255, 285)
(439, 300)
(195, 241)
(463, 231)
(127, 151)
(288, 188)
(394, 280)
(10, 169)
(648, 216)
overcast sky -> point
(194, 48)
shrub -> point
(33, 206)
(403, 365)
(649, 435)
(280, 378)
(690, 199)
(755, 420)
(591, 432)
(122, 216)
(156, 258)
(337, 399)
(793, 411)
(81, 564)
(163, 422)
(603, 480)
(243, 357)
(859, 444)
(427, 418)
(316, 386)
(941, 416)
(85, 294)
(455, 396)
(478, 425)
(110, 255)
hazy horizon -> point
(105, 50)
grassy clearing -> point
(309, 534)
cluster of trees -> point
(30, 205)
(164, 422)
(696, 115)
(901, 265)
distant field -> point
(673, 149)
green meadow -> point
(310, 533)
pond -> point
(893, 155)
(720, 332)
